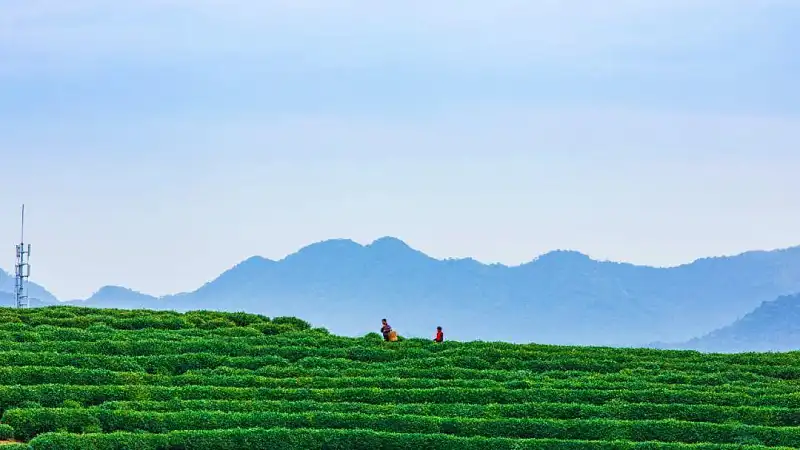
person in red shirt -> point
(439, 335)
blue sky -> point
(156, 143)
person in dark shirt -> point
(385, 330)
(439, 335)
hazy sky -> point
(156, 143)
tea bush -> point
(89, 378)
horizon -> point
(413, 248)
(157, 141)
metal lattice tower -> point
(23, 269)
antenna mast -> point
(23, 269)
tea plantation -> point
(87, 378)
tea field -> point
(84, 378)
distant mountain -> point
(35, 291)
(119, 297)
(562, 297)
(7, 299)
(773, 326)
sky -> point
(157, 143)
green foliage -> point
(293, 322)
(6, 431)
(304, 439)
(29, 422)
(104, 379)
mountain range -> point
(562, 297)
(773, 326)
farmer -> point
(385, 329)
(439, 335)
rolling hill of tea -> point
(88, 378)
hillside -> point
(562, 297)
(95, 378)
(119, 297)
(37, 293)
(773, 326)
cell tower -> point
(23, 268)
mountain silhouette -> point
(36, 293)
(562, 297)
(120, 297)
(773, 326)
